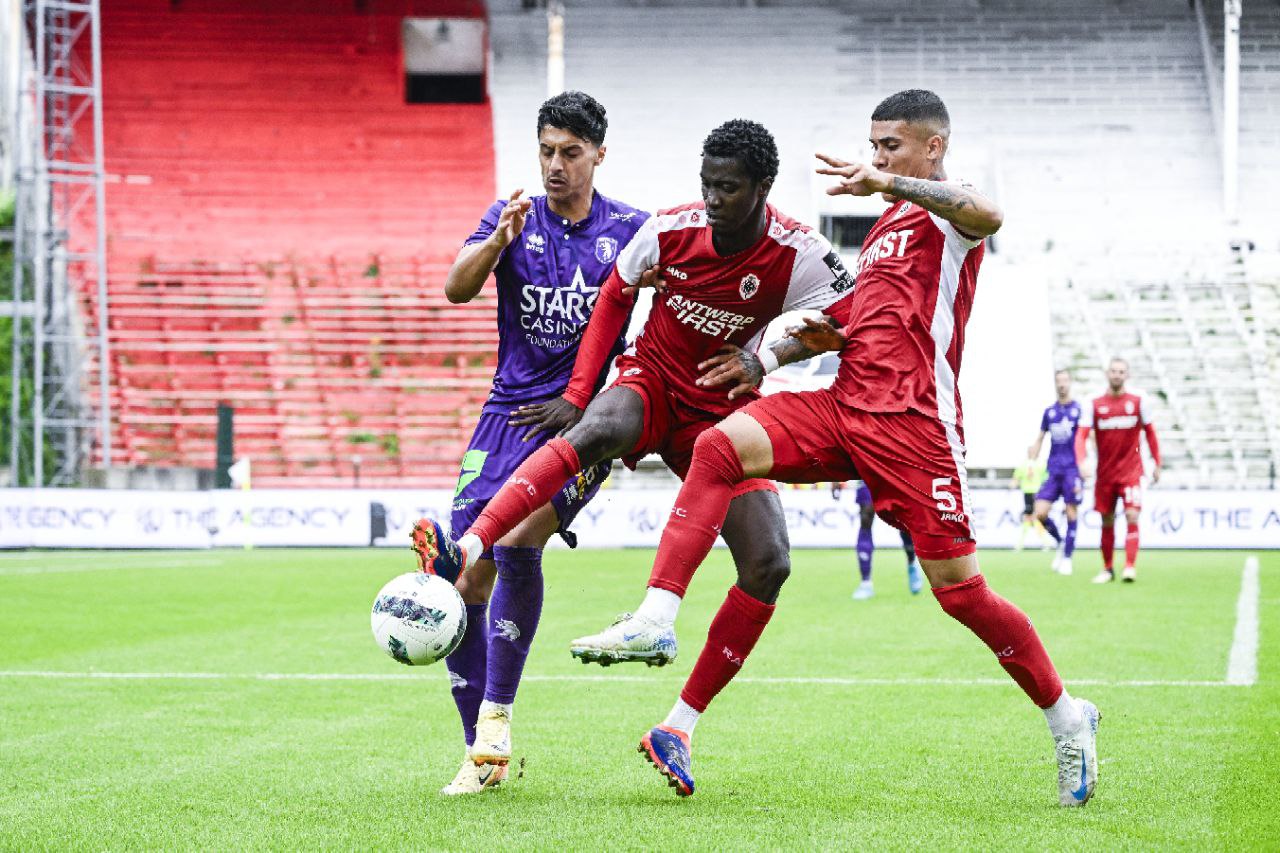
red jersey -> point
(916, 277)
(1118, 422)
(709, 300)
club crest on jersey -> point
(606, 249)
(750, 284)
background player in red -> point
(1118, 417)
(892, 416)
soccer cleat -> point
(667, 749)
(1078, 758)
(1104, 576)
(1057, 560)
(915, 577)
(864, 591)
(473, 778)
(630, 638)
(1129, 575)
(493, 738)
(437, 553)
(1064, 566)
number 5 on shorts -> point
(946, 500)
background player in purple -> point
(549, 255)
(867, 548)
(1059, 421)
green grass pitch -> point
(917, 741)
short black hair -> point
(913, 105)
(576, 112)
(749, 143)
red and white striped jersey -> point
(916, 278)
(711, 300)
(1118, 421)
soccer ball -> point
(418, 618)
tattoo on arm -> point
(751, 364)
(790, 350)
(932, 195)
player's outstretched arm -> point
(972, 213)
(745, 370)
(475, 261)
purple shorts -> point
(1062, 484)
(494, 453)
(864, 495)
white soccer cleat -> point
(1078, 758)
(864, 591)
(1064, 566)
(1129, 575)
(473, 778)
(1057, 560)
(1104, 576)
(493, 738)
(631, 638)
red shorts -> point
(670, 427)
(1105, 496)
(913, 464)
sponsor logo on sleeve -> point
(841, 280)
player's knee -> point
(593, 439)
(763, 578)
(713, 449)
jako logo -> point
(675, 273)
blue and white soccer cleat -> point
(864, 591)
(437, 553)
(1078, 758)
(667, 749)
(915, 577)
(631, 638)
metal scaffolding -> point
(59, 244)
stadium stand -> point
(280, 222)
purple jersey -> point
(1060, 422)
(548, 279)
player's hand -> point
(734, 365)
(818, 335)
(652, 277)
(511, 221)
(555, 416)
(1155, 475)
(855, 178)
(1086, 469)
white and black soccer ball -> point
(418, 618)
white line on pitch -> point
(103, 567)
(593, 679)
(1242, 665)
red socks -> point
(1131, 545)
(732, 635)
(1007, 631)
(698, 513)
(1109, 547)
(530, 486)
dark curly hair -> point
(747, 142)
(576, 112)
(913, 105)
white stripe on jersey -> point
(642, 251)
(943, 327)
(957, 456)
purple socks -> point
(1069, 544)
(1052, 528)
(467, 669)
(513, 619)
(865, 549)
